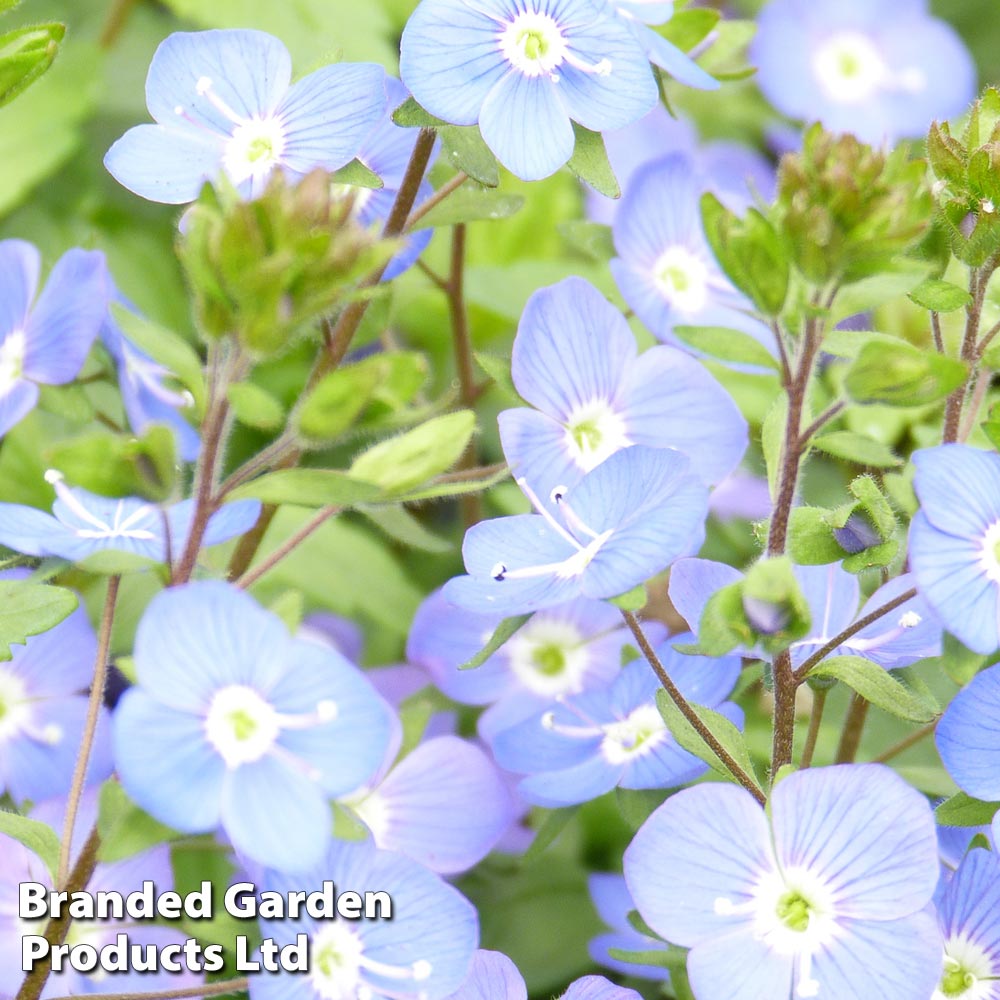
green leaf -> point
(857, 448)
(453, 487)
(960, 663)
(555, 822)
(899, 374)
(687, 28)
(592, 239)
(876, 685)
(498, 369)
(591, 164)
(728, 736)
(940, 296)
(29, 609)
(637, 805)
(463, 147)
(38, 837)
(310, 488)
(772, 439)
(125, 829)
(401, 526)
(255, 407)
(633, 600)
(356, 174)
(810, 537)
(25, 54)
(469, 204)
(6, 5)
(727, 345)
(668, 957)
(501, 634)
(895, 281)
(964, 810)
(410, 459)
(411, 115)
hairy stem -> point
(906, 742)
(205, 990)
(89, 729)
(435, 199)
(815, 720)
(688, 712)
(290, 544)
(854, 726)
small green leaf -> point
(898, 374)
(960, 663)
(876, 685)
(857, 448)
(668, 957)
(733, 346)
(463, 147)
(633, 600)
(554, 823)
(410, 459)
(688, 28)
(401, 526)
(772, 440)
(729, 737)
(940, 296)
(356, 174)
(28, 609)
(310, 488)
(255, 407)
(498, 369)
(964, 810)
(471, 203)
(810, 537)
(38, 837)
(895, 281)
(124, 828)
(591, 164)
(6, 5)
(25, 55)
(634, 918)
(411, 115)
(501, 634)
(456, 487)
(591, 239)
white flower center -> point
(683, 279)
(850, 69)
(989, 556)
(534, 44)
(968, 974)
(123, 526)
(14, 705)
(594, 432)
(373, 810)
(549, 657)
(241, 725)
(12, 352)
(637, 734)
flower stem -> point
(906, 742)
(205, 990)
(854, 726)
(688, 712)
(267, 564)
(435, 199)
(815, 719)
(89, 729)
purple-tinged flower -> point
(614, 903)
(622, 523)
(224, 105)
(444, 804)
(741, 495)
(386, 152)
(82, 524)
(147, 400)
(665, 269)
(968, 739)
(900, 638)
(42, 711)
(236, 723)
(954, 843)
(955, 540)
(597, 988)
(587, 744)
(424, 951)
(344, 635)
(824, 896)
(733, 172)
(45, 341)
(969, 917)
(525, 70)
(575, 360)
(882, 69)
(18, 864)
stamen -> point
(419, 970)
(499, 572)
(543, 510)
(601, 68)
(910, 620)
(572, 732)
(326, 711)
(55, 479)
(808, 987)
(724, 907)
(205, 89)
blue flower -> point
(45, 342)
(614, 903)
(899, 639)
(665, 269)
(444, 804)
(882, 69)
(424, 951)
(42, 711)
(585, 745)
(235, 723)
(525, 70)
(968, 739)
(969, 917)
(146, 399)
(82, 524)
(223, 106)
(622, 523)
(575, 361)
(824, 897)
(955, 540)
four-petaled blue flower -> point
(575, 360)
(223, 105)
(236, 724)
(587, 744)
(82, 524)
(882, 69)
(525, 70)
(825, 893)
(622, 523)
(45, 342)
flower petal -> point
(20, 263)
(19, 399)
(693, 582)
(968, 737)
